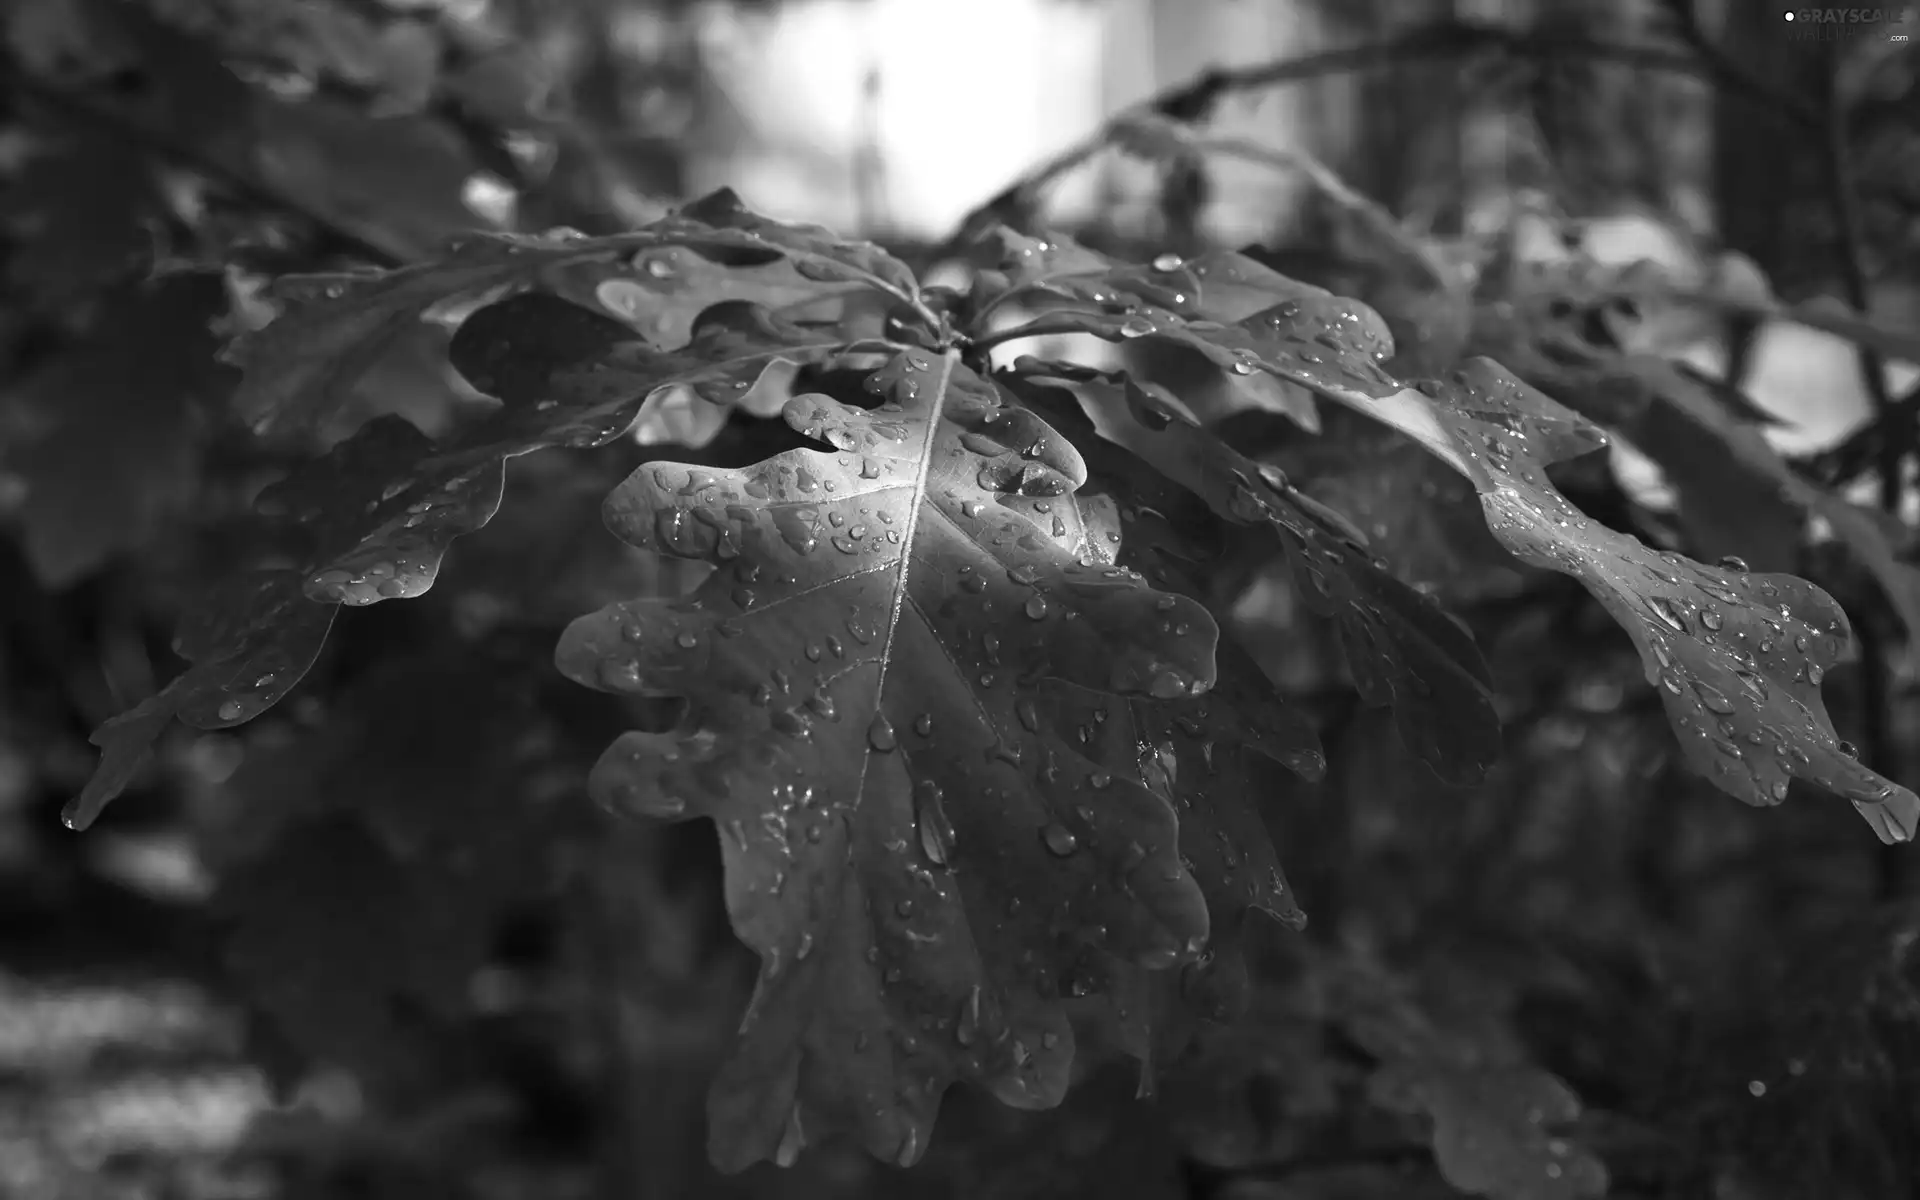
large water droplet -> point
(1712, 698)
(1059, 840)
(880, 734)
(1668, 612)
(930, 815)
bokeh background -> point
(378, 944)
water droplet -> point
(1059, 840)
(1168, 262)
(1036, 607)
(1712, 698)
(880, 734)
(1734, 563)
(930, 815)
(231, 710)
(923, 724)
(1028, 714)
(1668, 612)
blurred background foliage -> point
(377, 944)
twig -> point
(1387, 230)
(1195, 99)
(165, 144)
(1731, 74)
(1875, 684)
(1842, 464)
(1853, 256)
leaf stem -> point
(1038, 327)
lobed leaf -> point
(886, 683)
(333, 328)
(1734, 488)
(248, 645)
(1738, 656)
(379, 511)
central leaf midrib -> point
(898, 602)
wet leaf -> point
(880, 677)
(1402, 649)
(1210, 757)
(380, 524)
(1738, 656)
(661, 291)
(816, 250)
(1220, 286)
(378, 512)
(1270, 335)
(572, 377)
(248, 645)
(1422, 518)
(1733, 485)
(332, 328)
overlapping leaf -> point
(334, 327)
(886, 682)
(1157, 301)
(1402, 649)
(248, 645)
(1210, 757)
(1738, 656)
(660, 291)
(1734, 488)
(380, 509)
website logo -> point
(1841, 24)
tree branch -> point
(1731, 75)
(1195, 99)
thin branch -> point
(166, 144)
(1730, 74)
(1877, 744)
(1853, 269)
(1195, 99)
